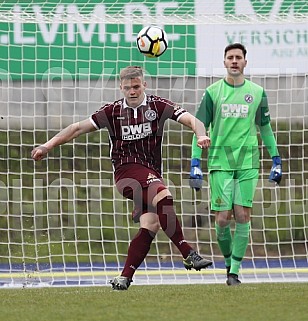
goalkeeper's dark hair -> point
(236, 45)
(131, 72)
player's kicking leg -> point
(171, 226)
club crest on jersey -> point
(150, 114)
(248, 98)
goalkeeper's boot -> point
(120, 283)
(194, 260)
(233, 279)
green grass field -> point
(252, 302)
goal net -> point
(62, 221)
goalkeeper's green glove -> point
(276, 170)
(196, 175)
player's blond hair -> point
(131, 72)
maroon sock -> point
(171, 225)
(137, 251)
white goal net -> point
(62, 222)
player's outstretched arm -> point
(67, 134)
(203, 141)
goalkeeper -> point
(234, 109)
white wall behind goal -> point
(274, 33)
(51, 106)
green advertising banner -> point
(78, 38)
(75, 38)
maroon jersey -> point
(136, 133)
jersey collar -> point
(144, 102)
(234, 86)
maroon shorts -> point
(140, 184)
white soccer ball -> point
(152, 41)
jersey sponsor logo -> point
(150, 114)
(234, 111)
(138, 131)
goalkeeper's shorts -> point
(229, 188)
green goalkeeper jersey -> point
(232, 113)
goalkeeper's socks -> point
(224, 240)
(137, 251)
(240, 243)
(171, 226)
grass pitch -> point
(251, 302)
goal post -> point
(62, 221)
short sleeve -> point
(100, 118)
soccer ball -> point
(152, 41)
